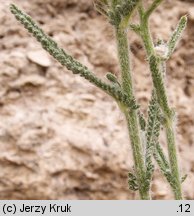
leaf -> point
(176, 35)
(162, 156)
(101, 6)
(164, 167)
(142, 121)
(152, 133)
(159, 86)
(111, 77)
(122, 11)
(132, 181)
(66, 60)
(127, 7)
(184, 178)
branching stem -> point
(159, 85)
(152, 7)
(119, 14)
(131, 115)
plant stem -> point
(170, 134)
(146, 36)
(123, 53)
(131, 115)
(153, 6)
(159, 85)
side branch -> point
(176, 35)
(152, 7)
(66, 60)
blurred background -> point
(61, 137)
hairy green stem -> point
(170, 134)
(146, 36)
(131, 115)
(159, 85)
(119, 13)
(152, 7)
(123, 53)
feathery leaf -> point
(122, 11)
(142, 121)
(162, 156)
(66, 60)
(176, 35)
(126, 7)
(152, 132)
(132, 181)
(166, 172)
(159, 86)
(184, 178)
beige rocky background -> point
(61, 137)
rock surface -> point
(62, 138)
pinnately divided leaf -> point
(142, 121)
(144, 135)
(132, 181)
(66, 60)
(152, 132)
(115, 10)
(164, 169)
(176, 35)
(127, 7)
(122, 10)
(159, 86)
(162, 156)
(101, 6)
